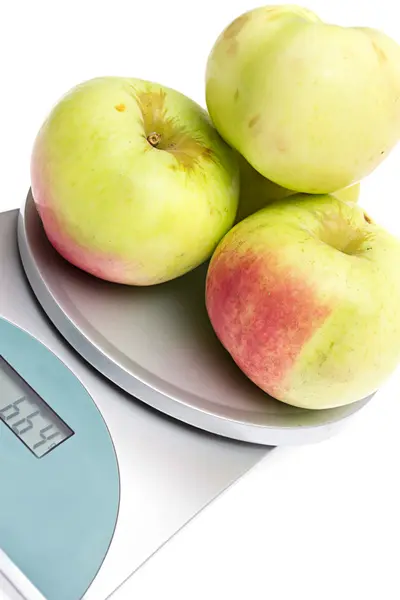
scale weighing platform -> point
(121, 417)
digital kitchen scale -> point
(121, 417)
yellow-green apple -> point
(349, 194)
(132, 181)
(305, 294)
(256, 191)
(313, 107)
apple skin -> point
(256, 191)
(305, 296)
(313, 107)
(132, 181)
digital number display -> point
(28, 416)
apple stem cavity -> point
(154, 139)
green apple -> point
(313, 107)
(305, 296)
(256, 191)
(132, 181)
(349, 194)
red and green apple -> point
(132, 181)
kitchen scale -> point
(121, 417)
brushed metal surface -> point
(157, 344)
(169, 471)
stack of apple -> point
(137, 184)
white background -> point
(316, 522)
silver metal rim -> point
(174, 407)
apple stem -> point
(154, 138)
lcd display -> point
(28, 416)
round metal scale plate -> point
(158, 345)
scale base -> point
(169, 471)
